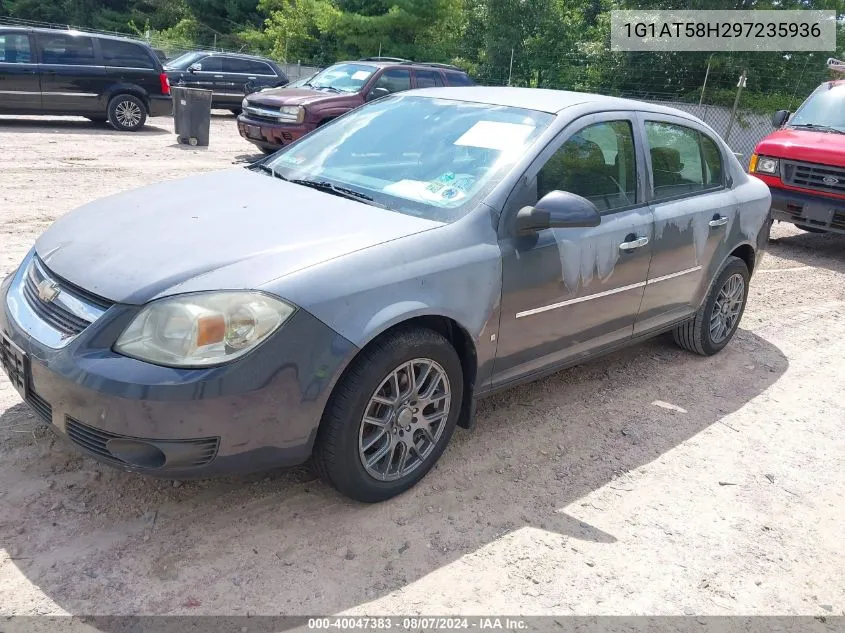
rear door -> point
(20, 89)
(73, 77)
(131, 63)
(694, 210)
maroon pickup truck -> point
(276, 117)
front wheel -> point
(391, 416)
(127, 113)
(715, 323)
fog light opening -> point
(136, 453)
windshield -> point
(824, 108)
(343, 77)
(183, 61)
(422, 156)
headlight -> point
(244, 103)
(198, 330)
(292, 113)
(766, 165)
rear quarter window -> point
(458, 79)
(125, 55)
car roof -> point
(238, 55)
(385, 63)
(27, 29)
(541, 99)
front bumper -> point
(271, 135)
(808, 210)
(259, 412)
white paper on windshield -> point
(496, 135)
(361, 74)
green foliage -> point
(539, 43)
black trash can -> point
(191, 115)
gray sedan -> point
(351, 297)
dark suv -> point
(228, 75)
(103, 78)
(274, 118)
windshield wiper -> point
(270, 170)
(343, 192)
(821, 128)
(332, 88)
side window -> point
(211, 64)
(125, 54)
(428, 79)
(14, 48)
(72, 50)
(683, 161)
(458, 79)
(234, 65)
(395, 80)
(597, 163)
(259, 68)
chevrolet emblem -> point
(48, 290)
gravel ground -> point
(649, 482)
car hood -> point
(234, 229)
(295, 96)
(827, 148)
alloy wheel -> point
(727, 308)
(128, 113)
(404, 419)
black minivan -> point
(103, 78)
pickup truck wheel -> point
(391, 415)
(127, 113)
(716, 321)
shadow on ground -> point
(40, 125)
(98, 541)
(820, 250)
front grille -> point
(56, 313)
(814, 176)
(94, 441)
(40, 406)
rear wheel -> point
(391, 416)
(715, 323)
(235, 111)
(127, 113)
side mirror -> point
(557, 209)
(780, 117)
(193, 68)
(377, 93)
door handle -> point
(634, 244)
(718, 220)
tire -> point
(345, 440)
(235, 111)
(810, 229)
(127, 113)
(697, 335)
(268, 150)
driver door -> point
(567, 293)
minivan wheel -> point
(391, 416)
(715, 323)
(127, 113)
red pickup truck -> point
(803, 162)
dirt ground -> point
(649, 482)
